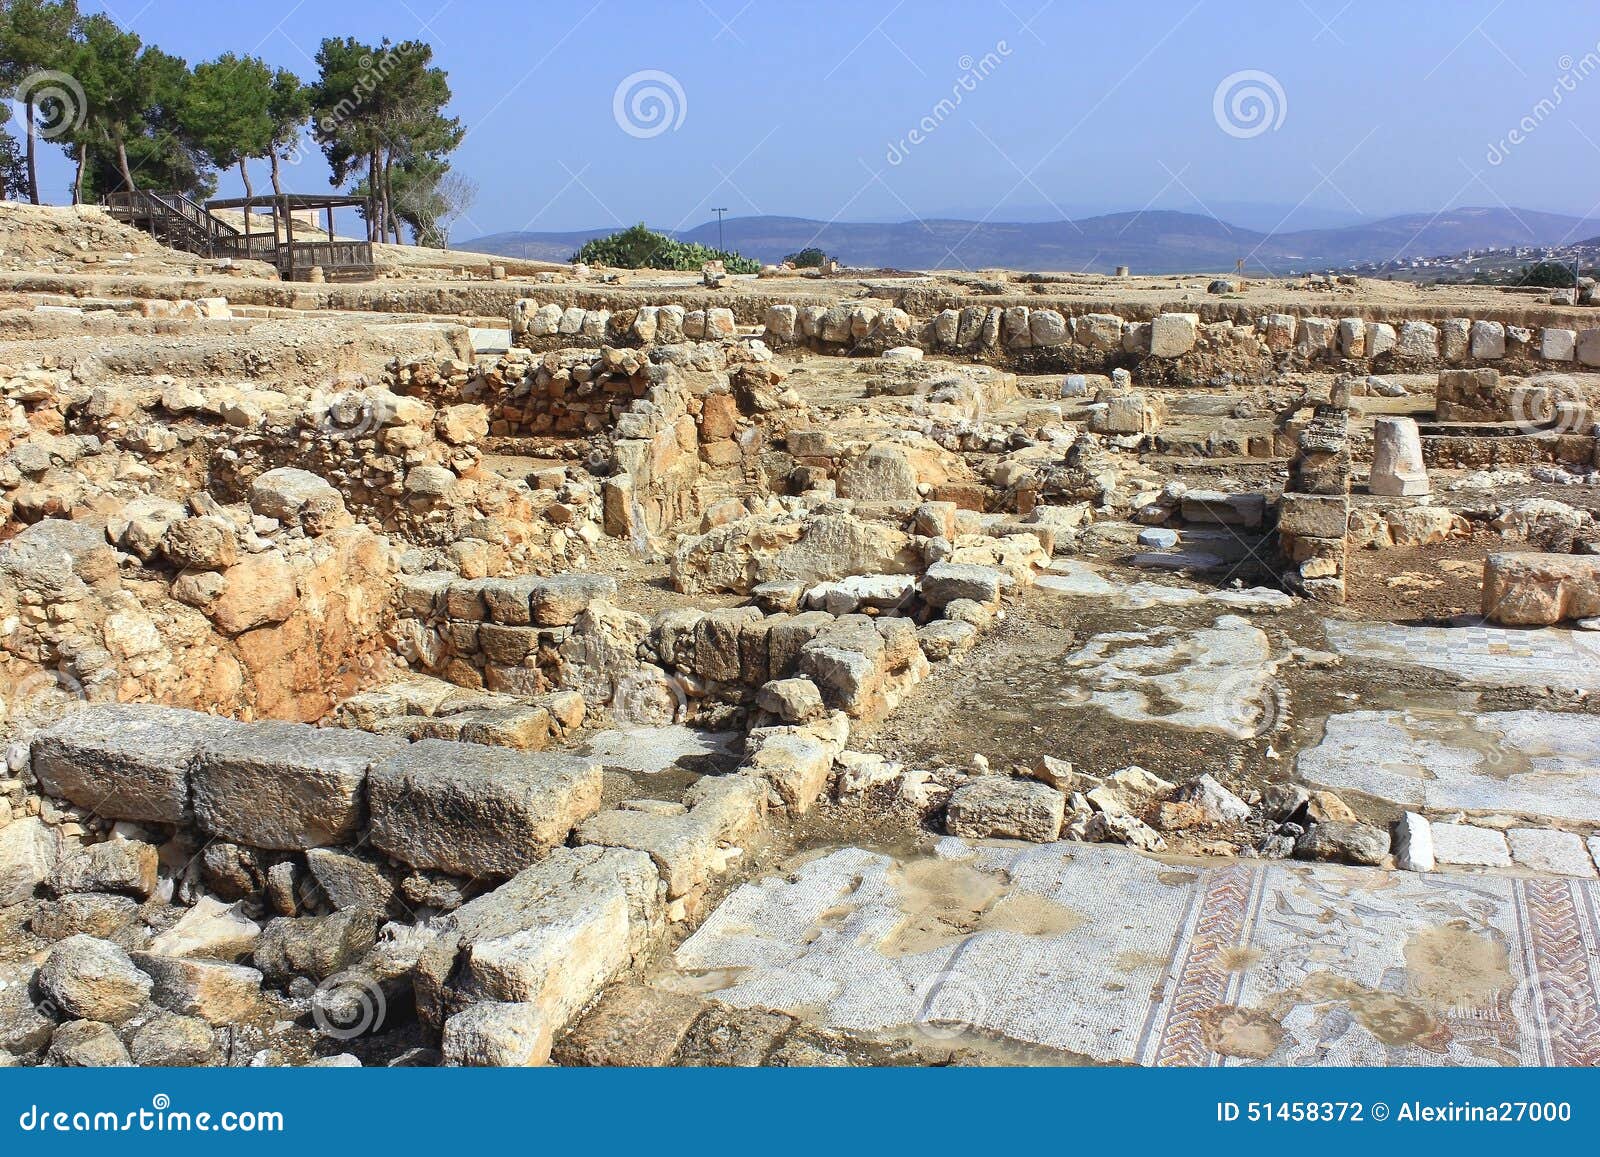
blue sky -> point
(807, 109)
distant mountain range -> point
(1157, 241)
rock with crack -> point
(1015, 809)
(549, 938)
(315, 947)
(797, 761)
(864, 666)
(209, 989)
(721, 816)
(812, 549)
(286, 786)
(28, 852)
(1540, 589)
(1351, 843)
(126, 761)
(478, 811)
(126, 867)
(92, 979)
(209, 929)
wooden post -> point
(288, 210)
(275, 233)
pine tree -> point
(35, 37)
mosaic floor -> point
(1539, 658)
(1532, 763)
(1103, 953)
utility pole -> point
(721, 248)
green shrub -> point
(1548, 275)
(811, 258)
(640, 248)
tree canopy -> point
(133, 116)
(35, 38)
(379, 109)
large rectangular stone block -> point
(1174, 334)
(552, 936)
(478, 811)
(126, 761)
(286, 786)
(1316, 515)
(720, 815)
(1540, 589)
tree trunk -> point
(122, 164)
(277, 180)
(33, 168)
(77, 178)
(374, 203)
(244, 175)
(388, 203)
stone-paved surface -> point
(1505, 656)
(1120, 958)
(1534, 763)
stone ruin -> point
(390, 683)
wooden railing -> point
(178, 222)
(295, 260)
(173, 219)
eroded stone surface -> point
(1534, 763)
(1095, 951)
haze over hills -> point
(1154, 241)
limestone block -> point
(1558, 345)
(1174, 334)
(994, 807)
(126, 761)
(1488, 341)
(285, 785)
(1540, 589)
(1397, 467)
(472, 810)
(552, 936)
(1419, 341)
